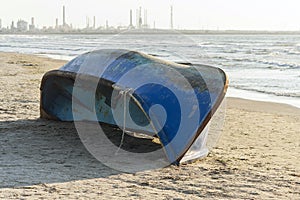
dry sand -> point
(257, 157)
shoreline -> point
(258, 97)
(256, 157)
(231, 92)
(263, 97)
(262, 106)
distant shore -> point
(159, 31)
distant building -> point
(12, 26)
(22, 26)
(0, 24)
(32, 25)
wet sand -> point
(257, 156)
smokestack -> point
(32, 21)
(94, 23)
(145, 18)
(56, 23)
(107, 26)
(137, 18)
(131, 25)
(0, 23)
(140, 18)
(171, 18)
(64, 16)
(87, 22)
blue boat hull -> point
(139, 83)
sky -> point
(188, 14)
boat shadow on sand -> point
(42, 151)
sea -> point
(260, 66)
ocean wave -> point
(293, 52)
(236, 54)
(271, 64)
(56, 54)
(242, 60)
(1, 45)
(284, 44)
(277, 93)
(205, 43)
(277, 65)
(159, 55)
(261, 51)
(230, 51)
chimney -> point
(94, 23)
(130, 18)
(32, 21)
(137, 18)
(64, 16)
(140, 18)
(145, 18)
(171, 18)
(87, 22)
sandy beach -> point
(257, 156)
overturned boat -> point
(143, 95)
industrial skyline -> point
(111, 16)
(66, 26)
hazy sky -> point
(189, 14)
